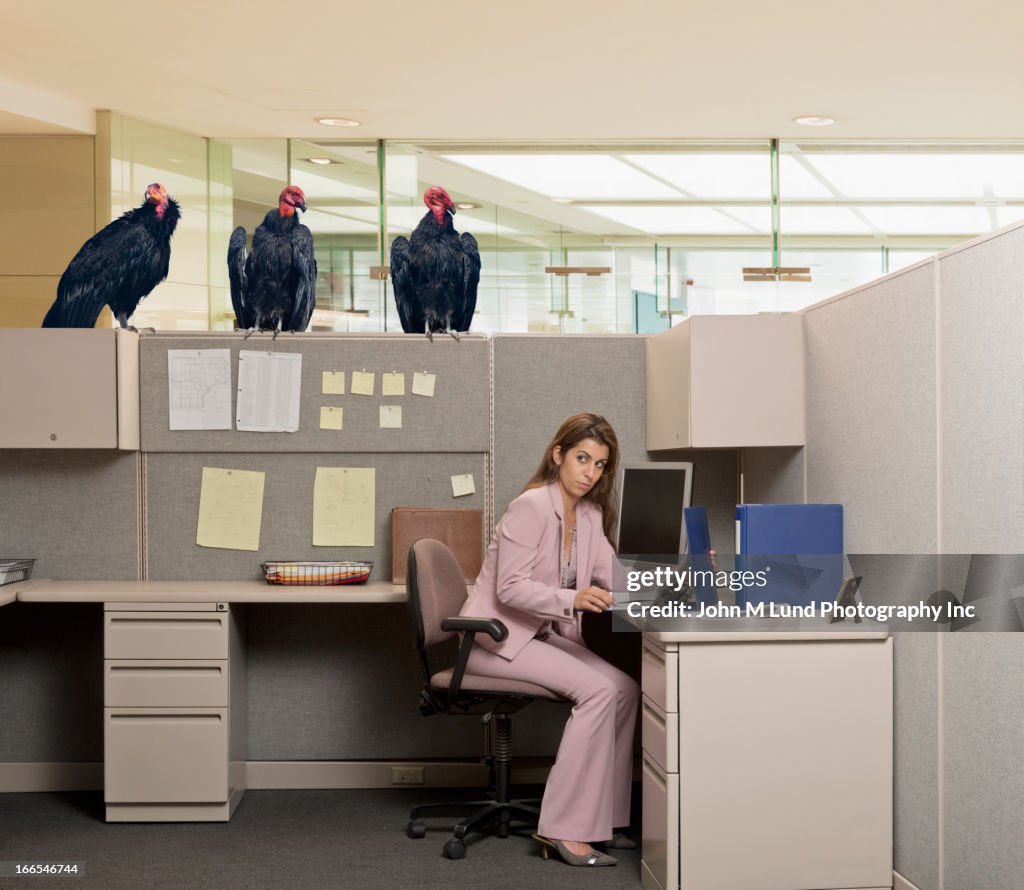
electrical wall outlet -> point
(407, 775)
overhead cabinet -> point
(726, 381)
(69, 388)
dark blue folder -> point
(798, 546)
(698, 545)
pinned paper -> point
(344, 506)
(362, 383)
(269, 389)
(334, 383)
(463, 485)
(331, 418)
(393, 384)
(423, 384)
(390, 417)
(199, 389)
(230, 509)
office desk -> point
(174, 686)
(767, 756)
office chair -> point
(437, 591)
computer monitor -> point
(651, 500)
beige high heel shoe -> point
(594, 857)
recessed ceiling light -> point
(814, 120)
(323, 162)
(467, 205)
(337, 122)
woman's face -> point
(581, 466)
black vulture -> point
(436, 273)
(274, 287)
(117, 266)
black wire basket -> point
(316, 573)
(14, 570)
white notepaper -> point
(269, 385)
(463, 485)
(423, 384)
(390, 417)
(199, 389)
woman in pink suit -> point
(549, 561)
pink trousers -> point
(588, 789)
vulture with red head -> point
(117, 266)
(274, 287)
(435, 273)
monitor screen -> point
(651, 501)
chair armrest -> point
(470, 627)
(494, 628)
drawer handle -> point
(165, 718)
(654, 715)
(164, 671)
(657, 660)
(166, 622)
(653, 773)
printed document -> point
(199, 389)
(269, 384)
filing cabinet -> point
(767, 760)
(174, 721)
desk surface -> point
(45, 591)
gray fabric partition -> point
(871, 412)
(982, 396)
(773, 475)
(457, 418)
(330, 683)
(540, 381)
(76, 512)
(402, 480)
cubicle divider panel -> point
(981, 395)
(343, 682)
(51, 697)
(455, 418)
(76, 512)
(871, 412)
(773, 475)
(173, 486)
(539, 381)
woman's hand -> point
(593, 599)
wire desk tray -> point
(13, 570)
(316, 573)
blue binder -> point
(799, 546)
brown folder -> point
(461, 530)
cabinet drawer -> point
(165, 684)
(163, 755)
(166, 635)
(660, 677)
(660, 736)
(660, 851)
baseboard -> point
(901, 883)
(51, 777)
(283, 774)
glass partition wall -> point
(616, 239)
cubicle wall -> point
(915, 422)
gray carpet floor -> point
(282, 839)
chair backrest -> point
(437, 590)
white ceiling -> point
(529, 71)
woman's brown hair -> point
(575, 430)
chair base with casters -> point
(437, 591)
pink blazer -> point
(518, 583)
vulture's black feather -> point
(274, 287)
(435, 273)
(117, 266)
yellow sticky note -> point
(390, 417)
(330, 417)
(334, 383)
(393, 384)
(463, 485)
(362, 383)
(230, 509)
(423, 384)
(344, 505)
